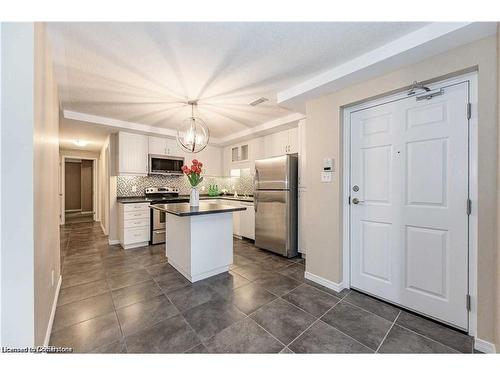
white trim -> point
(337, 287)
(484, 346)
(95, 185)
(473, 183)
(52, 313)
(273, 126)
(114, 242)
(430, 40)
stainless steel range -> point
(158, 218)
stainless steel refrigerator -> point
(275, 204)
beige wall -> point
(323, 139)
(497, 289)
(45, 181)
(82, 154)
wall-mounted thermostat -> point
(328, 167)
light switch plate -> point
(326, 176)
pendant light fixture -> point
(193, 134)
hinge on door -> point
(349, 199)
(469, 206)
(469, 111)
(468, 302)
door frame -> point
(95, 175)
(473, 179)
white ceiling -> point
(145, 72)
(70, 130)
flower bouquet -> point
(194, 176)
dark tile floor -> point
(117, 301)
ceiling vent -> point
(258, 101)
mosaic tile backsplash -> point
(242, 185)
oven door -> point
(158, 226)
(159, 219)
(169, 165)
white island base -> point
(200, 246)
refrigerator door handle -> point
(255, 201)
(256, 180)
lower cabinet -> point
(247, 221)
(133, 224)
(243, 221)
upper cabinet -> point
(133, 158)
(242, 155)
(211, 157)
(164, 146)
(281, 143)
(293, 141)
(132, 154)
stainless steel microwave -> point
(167, 165)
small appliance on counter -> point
(158, 218)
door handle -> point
(356, 201)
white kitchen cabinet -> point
(132, 154)
(275, 144)
(157, 146)
(164, 146)
(293, 141)
(236, 215)
(211, 157)
(281, 143)
(243, 221)
(173, 148)
(133, 224)
(247, 221)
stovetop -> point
(162, 194)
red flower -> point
(195, 162)
(200, 165)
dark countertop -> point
(181, 198)
(184, 209)
(146, 200)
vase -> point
(194, 197)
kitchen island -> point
(199, 239)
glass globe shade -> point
(193, 134)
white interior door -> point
(409, 191)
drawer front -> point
(136, 215)
(135, 207)
(134, 223)
(133, 235)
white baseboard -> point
(484, 346)
(52, 313)
(337, 287)
(114, 242)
